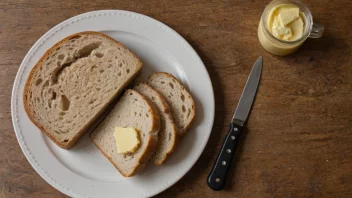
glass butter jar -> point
(281, 47)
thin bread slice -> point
(132, 110)
(180, 101)
(74, 82)
(167, 136)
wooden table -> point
(299, 137)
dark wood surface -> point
(299, 137)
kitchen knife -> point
(217, 176)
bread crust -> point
(152, 141)
(182, 132)
(69, 144)
(166, 110)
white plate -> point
(83, 171)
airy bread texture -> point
(135, 111)
(180, 101)
(168, 131)
(74, 82)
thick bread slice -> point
(133, 110)
(180, 101)
(74, 82)
(167, 136)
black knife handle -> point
(217, 176)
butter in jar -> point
(285, 25)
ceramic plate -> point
(83, 171)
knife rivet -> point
(217, 180)
(235, 129)
(233, 137)
(223, 163)
(228, 150)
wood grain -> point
(299, 137)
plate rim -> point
(14, 96)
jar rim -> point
(302, 6)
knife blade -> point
(217, 177)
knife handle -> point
(217, 177)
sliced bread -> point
(178, 98)
(167, 136)
(74, 82)
(132, 110)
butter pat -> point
(280, 31)
(288, 15)
(126, 139)
(286, 22)
(298, 27)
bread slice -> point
(133, 110)
(167, 136)
(180, 101)
(74, 82)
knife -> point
(217, 177)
